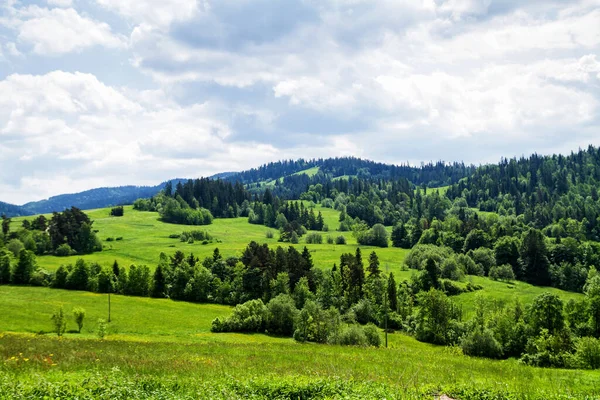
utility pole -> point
(385, 298)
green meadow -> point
(144, 237)
(153, 344)
(160, 348)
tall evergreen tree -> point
(373, 268)
(25, 266)
(534, 258)
(392, 293)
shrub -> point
(340, 240)
(352, 335)
(269, 234)
(481, 343)
(59, 321)
(117, 211)
(15, 246)
(41, 277)
(79, 315)
(325, 228)
(502, 273)
(294, 238)
(363, 310)
(101, 329)
(587, 353)
(174, 236)
(376, 236)
(110, 239)
(372, 335)
(330, 240)
(314, 238)
(281, 313)
(64, 250)
(119, 238)
(246, 317)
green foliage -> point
(281, 314)
(587, 353)
(65, 250)
(101, 328)
(172, 211)
(434, 318)
(79, 315)
(481, 343)
(502, 273)
(546, 312)
(24, 268)
(78, 278)
(15, 246)
(246, 317)
(340, 239)
(117, 211)
(420, 253)
(4, 267)
(314, 238)
(376, 236)
(59, 321)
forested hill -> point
(11, 210)
(430, 174)
(544, 189)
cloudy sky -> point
(113, 92)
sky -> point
(114, 92)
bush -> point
(481, 343)
(372, 335)
(269, 234)
(15, 246)
(59, 321)
(281, 313)
(314, 238)
(340, 240)
(451, 288)
(110, 239)
(330, 240)
(246, 317)
(352, 335)
(79, 315)
(117, 211)
(119, 238)
(174, 236)
(101, 329)
(64, 250)
(294, 238)
(502, 273)
(376, 236)
(363, 310)
(587, 353)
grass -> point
(309, 171)
(159, 342)
(145, 237)
(507, 293)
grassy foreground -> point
(164, 349)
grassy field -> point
(145, 237)
(163, 349)
(310, 171)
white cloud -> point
(70, 129)
(154, 12)
(60, 3)
(59, 31)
